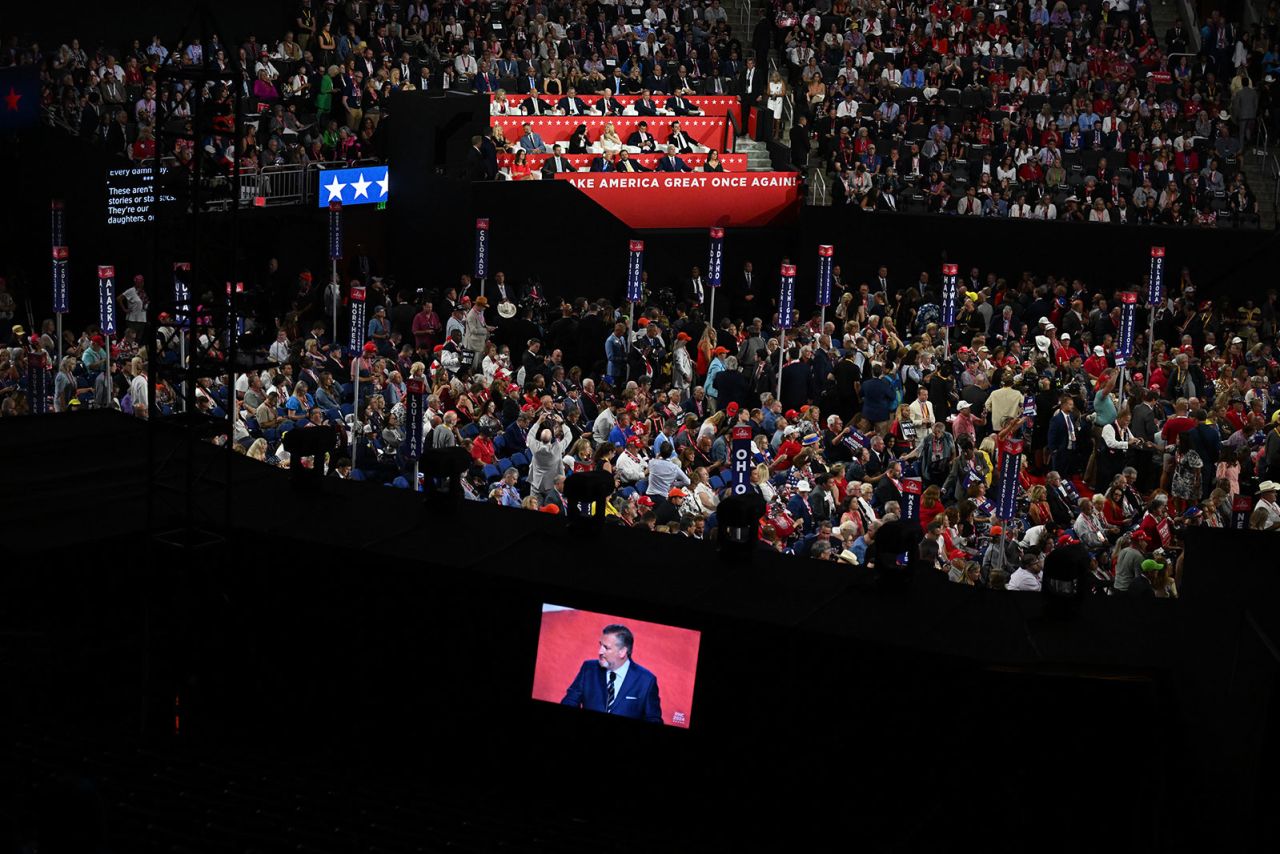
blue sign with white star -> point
(363, 185)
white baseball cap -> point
(964, 404)
(1098, 351)
(1065, 337)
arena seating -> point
(710, 105)
(1018, 83)
(709, 132)
(732, 162)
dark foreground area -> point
(348, 670)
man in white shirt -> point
(1025, 577)
(134, 302)
(1266, 513)
(922, 410)
(465, 64)
(138, 389)
(279, 352)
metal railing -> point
(275, 185)
(820, 196)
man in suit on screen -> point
(614, 684)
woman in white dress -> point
(777, 91)
(609, 142)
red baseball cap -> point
(683, 336)
(791, 413)
(644, 501)
(370, 347)
(732, 409)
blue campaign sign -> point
(950, 295)
(786, 295)
(742, 462)
(107, 299)
(1155, 287)
(1128, 317)
(912, 488)
(715, 259)
(825, 263)
(635, 271)
(356, 342)
(181, 295)
(413, 410)
(61, 286)
(363, 185)
(335, 230)
(1010, 471)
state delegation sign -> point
(692, 199)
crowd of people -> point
(1039, 110)
(324, 80)
(868, 400)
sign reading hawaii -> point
(692, 199)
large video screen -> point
(131, 195)
(615, 665)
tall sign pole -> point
(786, 299)
(182, 318)
(356, 345)
(1007, 496)
(715, 270)
(826, 256)
(107, 314)
(1155, 298)
(950, 297)
(1124, 349)
(635, 283)
(413, 409)
(61, 289)
(482, 252)
(335, 252)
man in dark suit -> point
(658, 82)
(614, 684)
(486, 81)
(750, 288)
(800, 142)
(475, 161)
(617, 84)
(671, 162)
(681, 106)
(1062, 439)
(645, 105)
(602, 164)
(609, 106)
(626, 164)
(555, 164)
(534, 106)
(571, 104)
(642, 139)
(797, 381)
(681, 140)
(529, 83)
(695, 289)
(887, 489)
(751, 85)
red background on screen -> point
(569, 638)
